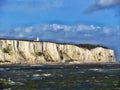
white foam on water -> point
(7, 68)
(46, 75)
(42, 75)
(7, 89)
(87, 80)
(36, 75)
(93, 77)
(76, 67)
(39, 70)
(61, 67)
(10, 81)
(98, 70)
(82, 72)
(27, 75)
(2, 69)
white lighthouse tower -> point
(37, 39)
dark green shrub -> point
(8, 49)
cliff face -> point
(28, 52)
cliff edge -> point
(31, 52)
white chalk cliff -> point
(31, 52)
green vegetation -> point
(100, 54)
(37, 53)
(47, 57)
(8, 49)
(99, 59)
(90, 46)
(8, 84)
(22, 54)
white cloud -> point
(106, 30)
(87, 35)
(53, 4)
(56, 30)
(103, 4)
(98, 27)
(86, 27)
(60, 27)
(80, 27)
(108, 3)
(83, 27)
(20, 35)
(17, 29)
(31, 5)
(29, 29)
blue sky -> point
(70, 21)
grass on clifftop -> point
(90, 46)
(87, 46)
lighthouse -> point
(37, 39)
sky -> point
(64, 21)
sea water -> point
(60, 77)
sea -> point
(60, 77)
